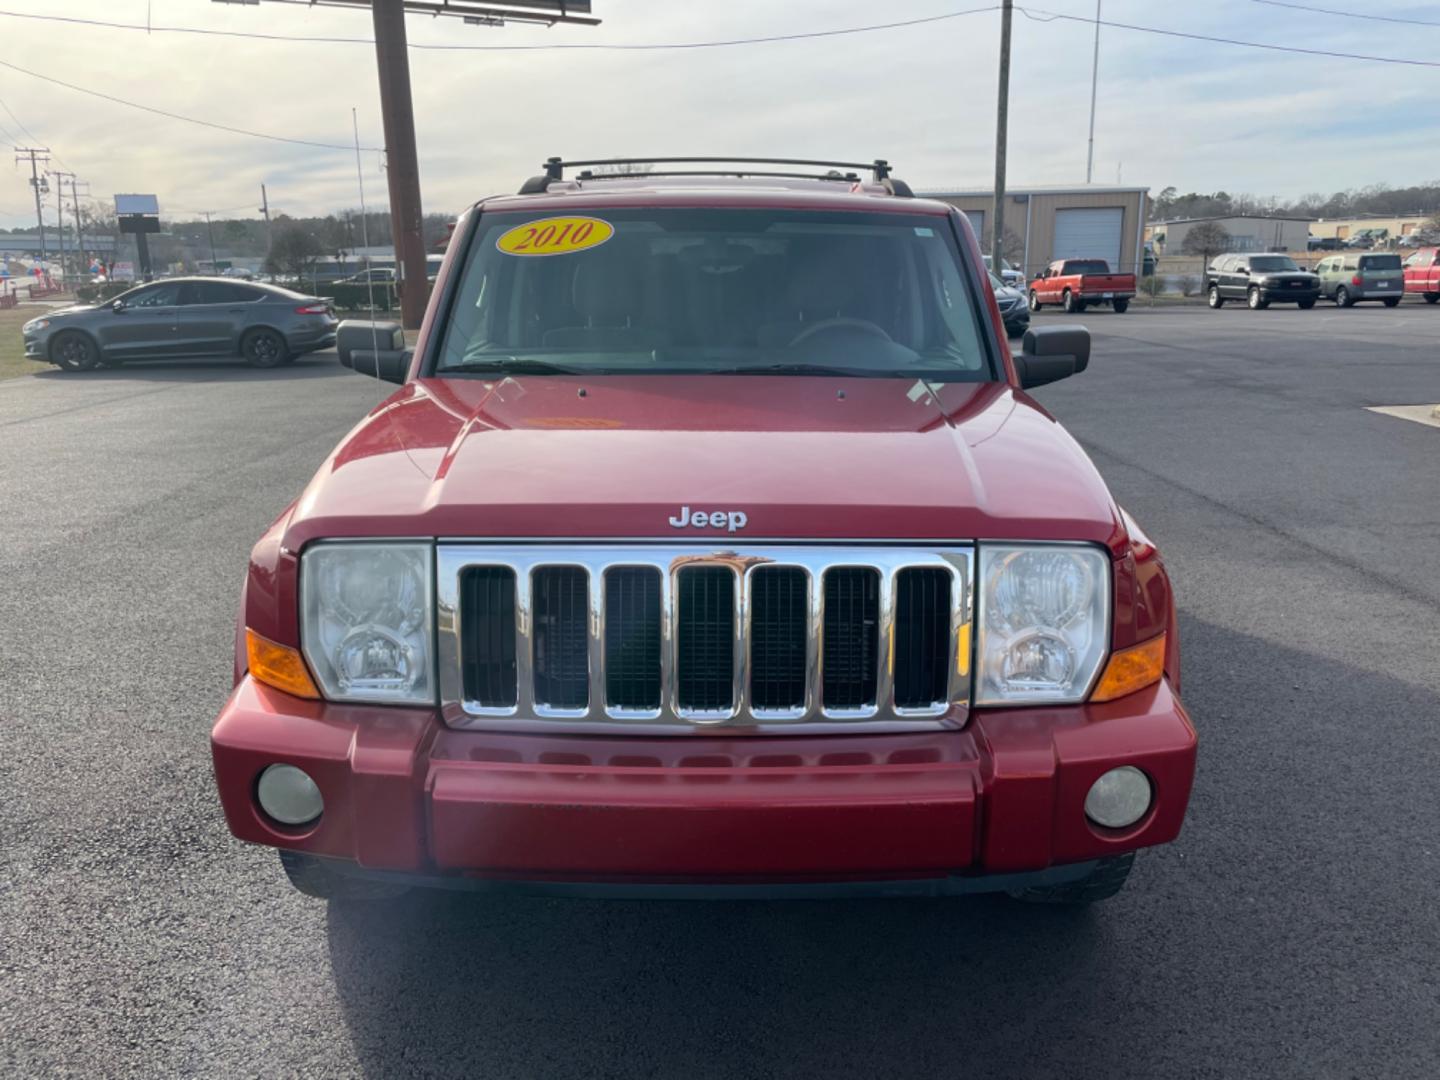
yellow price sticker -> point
(555, 236)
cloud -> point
(1187, 113)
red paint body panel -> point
(1422, 271)
(403, 793)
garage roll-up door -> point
(1090, 234)
(977, 222)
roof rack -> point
(879, 169)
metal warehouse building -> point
(1090, 222)
(1248, 232)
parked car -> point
(1422, 273)
(1418, 239)
(1348, 279)
(1014, 309)
(1260, 280)
(633, 585)
(377, 275)
(1324, 243)
(1075, 284)
(264, 324)
(1008, 273)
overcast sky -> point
(1197, 115)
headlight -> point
(33, 325)
(1023, 302)
(1044, 623)
(366, 619)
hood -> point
(623, 456)
(73, 309)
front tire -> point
(1256, 301)
(1305, 305)
(1120, 306)
(314, 877)
(1107, 879)
(264, 348)
(1215, 299)
(73, 351)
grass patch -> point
(12, 348)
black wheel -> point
(314, 877)
(1120, 306)
(1034, 301)
(264, 348)
(1431, 297)
(1392, 301)
(73, 351)
(1343, 297)
(1107, 879)
(1215, 299)
(1256, 301)
(1305, 305)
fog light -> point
(1119, 798)
(289, 796)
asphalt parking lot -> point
(1293, 930)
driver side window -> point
(159, 296)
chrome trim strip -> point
(743, 559)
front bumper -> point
(1282, 294)
(37, 345)
(1003, 796)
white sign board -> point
(123, 271)
(136, 204)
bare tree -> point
(295, 251)
(1206, 238)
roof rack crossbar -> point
(555, 167)
(849, 177)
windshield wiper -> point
(512, 365)
(804, 369)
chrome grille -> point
(765, 637)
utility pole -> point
(37, 158)
(210, 228)
(265, 209)
(1094, 84)
(60, 178)
(1002, 119)
(402, 163)
(79, 227)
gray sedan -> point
(264, 324)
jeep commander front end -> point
(710, 545)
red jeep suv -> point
(711, 544)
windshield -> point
(694, 291)
(1272, 262)
(1379, 262)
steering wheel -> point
(864, 326)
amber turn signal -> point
(1132, 669)
(279, 666)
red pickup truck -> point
(1076, 283)
(1422, 273)
(712, 543)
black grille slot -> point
(922, 637)
(851, 635)
(778, 616)
(632, 638)
(487, 621)
(562, 642)
(705, 656)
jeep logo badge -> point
(731, 520)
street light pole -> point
(209, 226)
(1002, 119)
(1094, 85)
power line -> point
(1346, 14)
(592, 46)
(1039, 15)
(171, 115)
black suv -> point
(1260, 280)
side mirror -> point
(374, 348)
(117, 306)
(1052, 353)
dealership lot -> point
(1290, 932)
